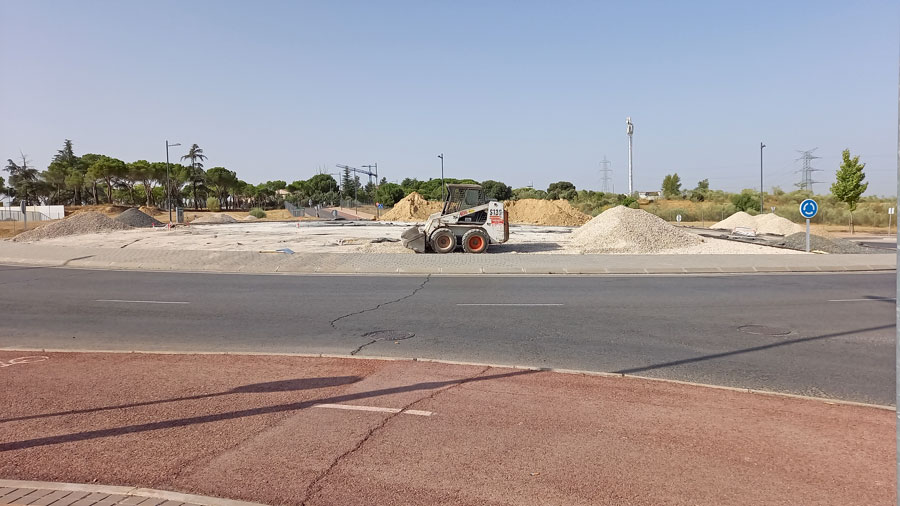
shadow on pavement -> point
(267, 387)
(723, 354)
(231, 415)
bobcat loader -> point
(468, 219)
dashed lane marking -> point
(508, 304)
(143, 301)
(375, 408)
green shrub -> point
(258, 213)
(212, 204)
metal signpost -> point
(890, 216)
(808, 209)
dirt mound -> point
(413, 207)
(797, 241)
(769, 223)
(545, 212)
(109, 210)
(80, 223)
(629, 231)
(151, 210)
(136, 218)
(213, 218)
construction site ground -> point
(291, 430)
(337, 237)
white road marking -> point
(509, 304)
(143, 301)
(862, 300)
(374, 408)
(23, 360)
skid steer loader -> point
(467, 220)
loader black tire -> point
(443, 241)
(475, 241)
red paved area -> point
(243, 427)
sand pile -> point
(135, 218)
(413, 207)
(545, 212)
(249, 217)
(81, 223)
(629, 231)
(214, 218)
(763, 223)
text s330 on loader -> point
(467, 220)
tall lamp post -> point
(762, 204)
(629, 129)
(168, 184)
(441, 156)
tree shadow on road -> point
(713, 356)
(267, 387)
(231, 415)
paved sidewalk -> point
(457, 263)
(288, 430)
(44, 493)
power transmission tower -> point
(806, 172)
(605, 172)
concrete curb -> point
(581, 372)
(192, 499)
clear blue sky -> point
(523, 92)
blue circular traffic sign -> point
(808, 208)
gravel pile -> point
(214, 218)
(136, 218)
(826, 244)
(81, 223)
(413, 207)
(629, 231)
(545, 212)
(769, 223)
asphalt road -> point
(837, 331)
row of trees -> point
(101, 179)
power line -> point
(806, 180)
(606, 174)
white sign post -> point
(678, 218)
(808, 209)
(890, 216)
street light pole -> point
(168, 184)
(762, 204)
(441, 156)
(629, 129)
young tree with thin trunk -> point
(849, 185)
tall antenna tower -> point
(806, 172)
(605, 175)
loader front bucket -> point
(414, 239)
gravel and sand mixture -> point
(797, 241)
(763, 224)
(413, 207)
(545, 212)
(624, 230)
(214, 218)
(135, 218)
(77, 224)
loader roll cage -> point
(463, 196)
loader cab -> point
(460, 197)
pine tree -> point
(849, 185)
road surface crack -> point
(339, 318)
(314, 488)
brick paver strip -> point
(39, 493)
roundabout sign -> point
(808, 209)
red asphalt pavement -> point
(244, 427)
